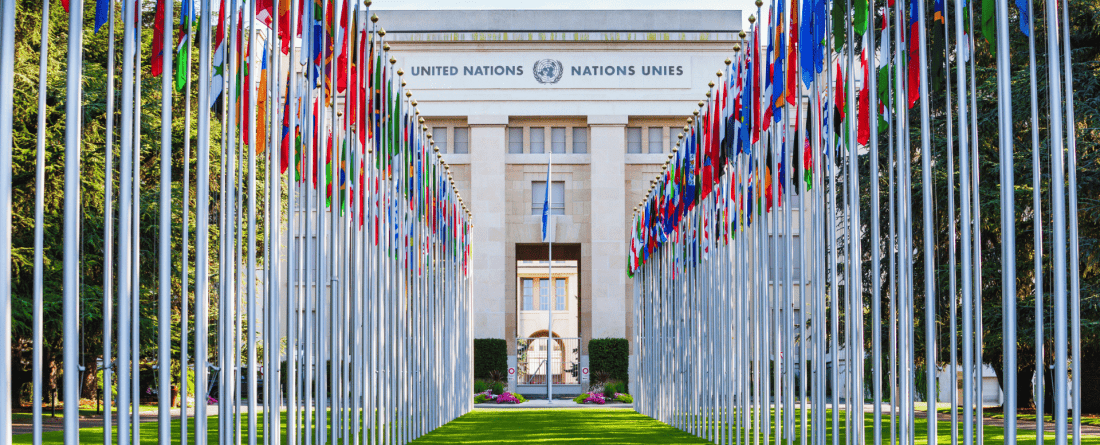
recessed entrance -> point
(548, 290)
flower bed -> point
(600, 399)
(505, 397)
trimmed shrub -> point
(610, 389)
(498, 388)
(490, 354)
(480, 386)
(580, 398)
(624, 398)
(481, 398)
(610, 355)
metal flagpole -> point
(164, 353)
(39, 223)
(550, 273)
(202, 239)
(7, 85)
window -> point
(557, 197)
(439, 135)
(580, 140)
(515, 140)
(544, 294)
(557, 140)
(462, 140)
(633, 140)
(777, 251)
(528, 304)
(673, 132)
(656, 139)
(559, 294)
(538, 140)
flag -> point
(284, 140)
(183, 42)
(807, 150)
(216, 79)
(261, 105)
(989, 23)
(838, 20)
(284, 25)
(103, 12)
(156, 65)
(792, 60)
(863, 128)
(807, 28)
(1021, 5)
(779, 92)
(914, 54)
(263, 11)
(859, 17)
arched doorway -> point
(532, 354)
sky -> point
(747, 6)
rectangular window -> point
(538, 140)
(580, 140)
(462, 140)
(528, 303)
(439, 135)
(515, 140)
(544, 294)
(557, 140)
(656, 139)
(557, 197)
(673, 132)
(559, 294)
(633, 140)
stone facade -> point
(617, 125)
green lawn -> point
(606, 426)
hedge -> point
(490, 354)
(610, 355)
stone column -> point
(608, 254)
(487, 202)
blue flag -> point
(546, 204)
(103, 13)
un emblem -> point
(548, 71)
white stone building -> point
(606, 92)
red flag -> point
(864, 126)
(839, 92)
(156, 66)
(792, 59)
(284, 25)
(264, 11)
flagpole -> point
(165, 352)
(39, 217)
(550, 272)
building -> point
(606, 92)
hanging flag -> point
(261, 105)
(216, 79)
(839, 18)
(779, 92)
(183, 42)
(264, 11)
(284, 140)
(284, 25)
(792, 58)
(989, 24)
(807, 149)
(102, 12)
(807, 50)
(859, 17)
(1025, 19)
(156, 65)
(863, 128)
(914, 54)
